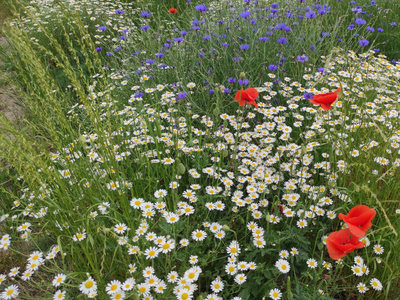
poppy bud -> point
(216, 111)
(226, 228)
(180, 169)
(225, 153)
(242, 75)
(82, 139)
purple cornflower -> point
(178, 39)
(302, 58)
(369, 28)
(363, 42)
(243, 82)
(351, 27)
(117, 49)
(237, 59)
(109, 54)
(206, 37)
(224, 44)
(310, 14)
(145, 27)
(182, 95)
(159, 55)
(201, 54)
(201, 7)
(321, 70)
(145, 14)
(272, 67)
(244, 14)
(231, 80)
(380, 30)
(119, 12)
(244, 47)
(98, 49)
(274, 5)
(312, 47)
(102, 28)
(149, 61)
(282, 40)
(308, 96)
(211, 91)
(184, 32)
(360, 21)
(264, 39)
(227, 90)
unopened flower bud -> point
(242, 75)
(226, 228)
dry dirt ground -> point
(8, 102)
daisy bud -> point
(242, 75)
(88, 275)
(200, 297)
(226, 228)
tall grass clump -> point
(149, 181)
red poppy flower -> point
(359, 219)
(172, 10)
(339, 243)
(326, 100)
(247, 96)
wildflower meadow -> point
(201, 150)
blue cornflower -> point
(119, 12)
(182, 95)
(282, 40)
(201, 7)
(302, 58)
(360, 21)
(139, 95)
(243, 82)
(280, 26)
(145, 14)
(244, 47)
(231, 80)
(356, 34)
(310, 14)
(322, 70)
(98, 49)
(178, 39)
(109, 54)
(237, 59)
(227, 90)
(369, 28)
(145, 27)
(393, 24)
(274, 5)
(373, 2)
(159, 55)
(221, 22)
(377, 50)
(351, 27)
(380, 30)
(201, 54)
(224, 44)
(308, 96)
(244, 14)
(150, 61)
(363, 42)
(117, 49)
(272, 67)
(312, 47)
(184, 32)
(211, 91)
(102, 28)
(264, 39)
(206, 37)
